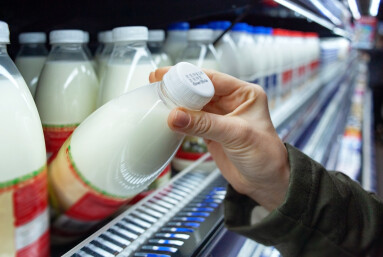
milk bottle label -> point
(78, 204)
(24, 216)
(192, 148)
(55, 135)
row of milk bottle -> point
(278, 60)
(115, 153)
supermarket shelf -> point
(368, 164)
(321, 140)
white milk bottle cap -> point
(188, 86)
(86, 37)
(4, 32)
(66, 36)
(32, 37)
(156, 35)
(200, 35)
(130, 33)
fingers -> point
(222, 129)
(158, 74)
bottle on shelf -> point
(31, 57)
(201, 53)
(129, 65)
(245, 45)
(24, 218)
(261, 57)
(271, 77)
(199, 50)
(87, 50)
(227, 52)
(155, 45)
(282, 38)
(176, 40)
(67, 89)
(103, 57)
(100, 45)
(121, 148)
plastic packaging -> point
(67, 89)
(121, 148)
(24, 219)
(227, 52)
(177, 38)
(199, 50)
(155, 45)
(245, 45)
(129, 65)
(103, 58)
(31, 57)
(87, 50)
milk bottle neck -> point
(155, 46)
(67, 52)
(199, 42)
(178, 34)
(136, 44)
(3, 49)
(8, 68)
(33, 49)
(164, 95)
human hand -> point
(240, 136)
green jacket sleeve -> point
(324, 214)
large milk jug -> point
(67, 89)
(31, 57)
(103, 57)
(201, 53)
(24, 219)
(130, 64)
(121, 148)
(227, 52)
(155, 45)
(177, 39)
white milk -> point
(129, 137)
(30, 68)
(23, 149)
(67, 92)
(66, 95)
(102, 64)
(119, 79)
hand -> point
(240, 136)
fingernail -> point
(181, 119)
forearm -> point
(324, 214)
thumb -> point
(222, 129)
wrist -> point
(272, 193)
